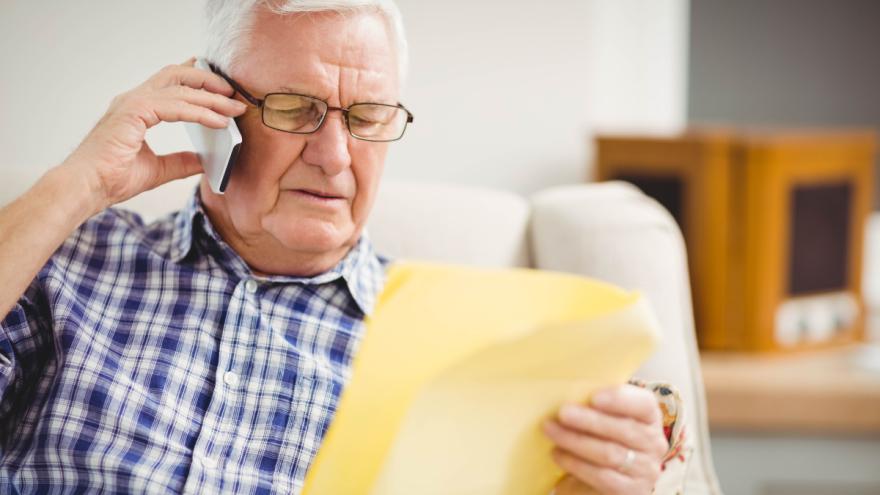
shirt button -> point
(230, 378)
(209, 462)
(250, 286)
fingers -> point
(599, 452)
(177, 111)
(177, 166)
(628, 432)
(218, 103)
(188, 75)
(185, 93)
(593, 443)
(115, 148)
(604, 480)
(628, 401)
(201, 79)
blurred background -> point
(511, 94)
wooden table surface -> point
(820, 391)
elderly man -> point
(206, 352)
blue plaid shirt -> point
(150, 359)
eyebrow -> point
(288, 89)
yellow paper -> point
(458, 368)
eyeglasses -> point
(303, 114)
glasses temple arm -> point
(237, 88)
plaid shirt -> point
(149, 358)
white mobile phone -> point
(217, 148)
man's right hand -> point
(112, 164)
(114, 158)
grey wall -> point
(785, 62)
(763, 463)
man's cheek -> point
(361, 206)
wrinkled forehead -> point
(341, 57)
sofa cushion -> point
(451, 223)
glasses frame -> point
(260, 103)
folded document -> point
(458, 368)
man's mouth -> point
(317, 195)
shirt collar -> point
(361, 270)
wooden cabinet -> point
(774, 226)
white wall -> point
(505, 93)
(63, 62)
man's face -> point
(310, 193)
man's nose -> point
(328, 146)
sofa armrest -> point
(613, 232)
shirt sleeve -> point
(677, 456)
(25, 342)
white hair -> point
(230, 21)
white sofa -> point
(609, 231)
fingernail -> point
(569, 413)
(601, 399)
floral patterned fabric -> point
(676, 459)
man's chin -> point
(310, 235)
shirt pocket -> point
(314, 405)
(289, 429)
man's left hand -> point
(613, 446)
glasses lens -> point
(375, 122)
(293, 113)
